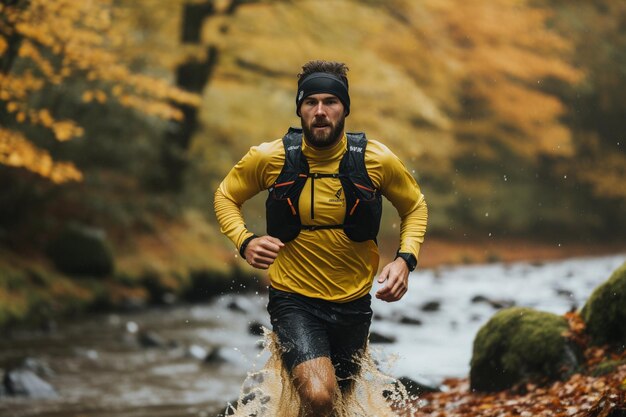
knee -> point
(318, 397)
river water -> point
(99, 368)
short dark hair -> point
(332, 67)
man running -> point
(323, 214)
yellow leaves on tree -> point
(17, 151)
(505, 52)
(53, 40)
(3, 45)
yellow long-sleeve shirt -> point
(323, 264)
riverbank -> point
(437, 252)
(175, 266)
(598, 390)
(189, 359)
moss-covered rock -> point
(605, 311)
(81, 250)
(521, 345)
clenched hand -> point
(396, 274)
(262, 251)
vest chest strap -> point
(321, 226)
(320, 175)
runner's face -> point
(322, 117)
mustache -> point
(320, 123)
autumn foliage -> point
(508, 113)
(586, 394)
(45, 43)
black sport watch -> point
(409, 258)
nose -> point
(319, 109)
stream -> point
(151, 363)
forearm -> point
(230, 219)
(413, 227)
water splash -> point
(270, 392)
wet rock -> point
(562, 292)
(234, 306)
(150, 339)
(130, 304)
(3, 391)
(49, 326)
(24, 382)
(169, 298)
(604, 312)
(90, 354)
(132, 327)
(475, 317)
(431, 306)
(215, 356)
(415, 388)
(495, 303)
(410, 321)
(37, 366)
(255, 329)
(82, 251)
(379, 338)
(519, 345)
(197, 352)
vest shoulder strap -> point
(292, 142)
(353, 161)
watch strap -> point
(244, 245)
(409, 258)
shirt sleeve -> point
(401, 189)
(254, 173)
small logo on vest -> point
(356, 149)
(293, 147)
(337, 198)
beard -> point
(323, 138)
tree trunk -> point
(193, 76)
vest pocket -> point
(283, 221)
(363, 217)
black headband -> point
(323, 82)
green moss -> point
(81, 250)
(13, 307)
(12, 278)
(605, 311)
(32, 291)
(607, 367)
(520, 345)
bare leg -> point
(316, 383)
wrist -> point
(244, 245)
(408, 258)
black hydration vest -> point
(363, 201)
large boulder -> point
(82, 250)
(605, 311)
(24, 382)
(520, 345)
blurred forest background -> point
(120, 118)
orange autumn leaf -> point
(16, 151)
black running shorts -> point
(309, 328)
